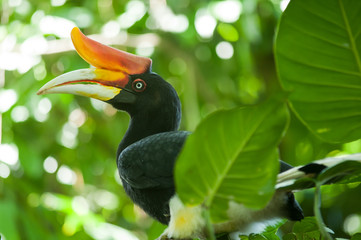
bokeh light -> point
(9, 154)
(283, 4)
(352, 224)
(4, 170)
(224, 50)
(58, 26)
(66, 175)
(20, 114)
(227, 11)
(50, 165)
(69, 135)
(205, 23)
(7, 99)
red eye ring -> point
(139, 85)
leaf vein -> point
(196, 190)
(213, 164)
(222, 196)
(254, 176)
(307, 100)
(358, 34)
(350, 35)
(323, 18)
(354, 128)
(321, 84)
(319, 37)
(321, 67)
(233, 159)
(338, 117)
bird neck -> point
(145, 124)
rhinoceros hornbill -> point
(149, 149)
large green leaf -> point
(232, 156)
(317, 51)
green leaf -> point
(256, 237)
(318, 60)
(228, 32)
(344, 172)
(232, 156)
(307, 228)
(307, 224)
(357, 236)
(290, 236)
(271, 230)
(253, 236)
(269, 233)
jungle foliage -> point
(291, 77)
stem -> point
(209, 231)
(317, 212)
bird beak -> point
(109, 77)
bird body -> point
(146, 169)
(147, 153)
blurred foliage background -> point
(58, 177)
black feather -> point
(146, 169)
(293, 210)
(312, 168)
(284, 166)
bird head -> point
(117, 77)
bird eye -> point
(139, 85)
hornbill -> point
(148, 151)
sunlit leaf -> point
(232, 156)
(269, 233)
(208, 83)
(228, 32)
(318, 55)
